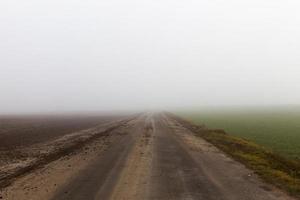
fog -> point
(63, 55)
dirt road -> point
(150, 157)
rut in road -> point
(159, 159)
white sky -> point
(65, 55)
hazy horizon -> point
(71, 56)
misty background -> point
(63, 55)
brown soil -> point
(28, 130)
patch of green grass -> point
(275, 128)
(273, 168)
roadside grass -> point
(273, 168)
(274, 128)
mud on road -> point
(21, 136)
(24, 159)
(150, 156)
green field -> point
(277, 128)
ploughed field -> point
(20, 131)
(275, 128)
